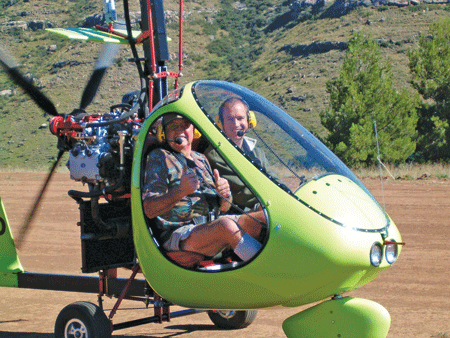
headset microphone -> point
(177, 140)
(240, 133)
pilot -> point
(235, 119)
(180, 191)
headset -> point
(251, 118)
(161, 135)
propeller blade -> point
(104, 61)
(28, 220)
(11, 67)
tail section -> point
(9, 261)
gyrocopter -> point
(324, 233)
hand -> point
(222, 186)
(189, 182)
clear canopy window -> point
(294, 154)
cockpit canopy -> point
(295, 155)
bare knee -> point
(229, 225)
(252, 224)
(229, 230)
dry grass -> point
(440, 171)
(440, 335)
(436, 171)
(38, 169)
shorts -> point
(178, 235)
(183, 232)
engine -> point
(100, 146)
(101, 150)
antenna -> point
(380, 163)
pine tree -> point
(362, 94)
(430, 67)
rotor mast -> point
(156, 52)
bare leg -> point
(211, 238)
(250, 225)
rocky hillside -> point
(286, 51)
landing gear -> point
(82, 320)
(231, 319)
(87, 320)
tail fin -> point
(9, 261)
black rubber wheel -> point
(231, 319)
(82, 320)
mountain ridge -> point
(296, 58)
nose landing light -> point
(376, 254)
(390, 252)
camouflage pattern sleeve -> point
(156, 180)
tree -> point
(240, 46)
(430, 68)
(364, 93)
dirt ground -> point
(415, 290)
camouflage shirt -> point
(163, 171)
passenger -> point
(180, 192)
(235, 119)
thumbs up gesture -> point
(222, 186)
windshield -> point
(294, 155)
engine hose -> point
(77, 195)
(95, 212)
(124, 117)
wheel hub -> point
(226, 314)
(75, 328)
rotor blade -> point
(28, 220)
(104, 61)
(11, 67)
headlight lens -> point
(391, 252)
(376, 254)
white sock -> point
(247, 247)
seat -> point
(185, 258)
(192, 260)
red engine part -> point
(66, 125)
